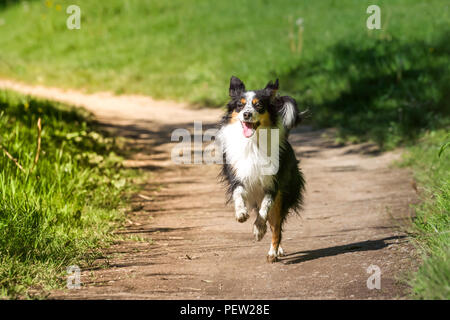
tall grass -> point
(432, 224)
(54, 215)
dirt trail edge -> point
(190, 245)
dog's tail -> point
(291, 117)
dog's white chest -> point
(248, 162)
(249, 167)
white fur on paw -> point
(242, 215)
(259, 229)
(272, 258)
(272, 255)
(280, 252)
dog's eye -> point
(240, 104)
(257, 104)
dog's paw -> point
(272, 255)
(280, 252)
(259, 229)
(242, 215)
(272, 258)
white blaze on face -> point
(248, 127)
(249, 95)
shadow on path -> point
(303, 256)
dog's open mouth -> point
(249, 128)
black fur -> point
(229, 179)
(290, 181)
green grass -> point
(61, 212)
(432, 224)
(383, 85)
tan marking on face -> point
(234, 117)
(255, 101)
(264, 119)
(243, 101)
(265, 123)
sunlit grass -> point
(432, 224)
(60, 212)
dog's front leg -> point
(260, 225)
(239, 204)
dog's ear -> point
(236, 86)
(271, 88)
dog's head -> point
(253, 109)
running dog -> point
(251, 117)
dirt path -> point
(193, 248)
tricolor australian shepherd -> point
(250, 185)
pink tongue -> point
(248, 129)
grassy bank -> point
(54, 212)
(384, 85)
(432, 225)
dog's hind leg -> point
(275, 221)
(239, 204)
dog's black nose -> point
(247, 115)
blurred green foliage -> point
(384, 85)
